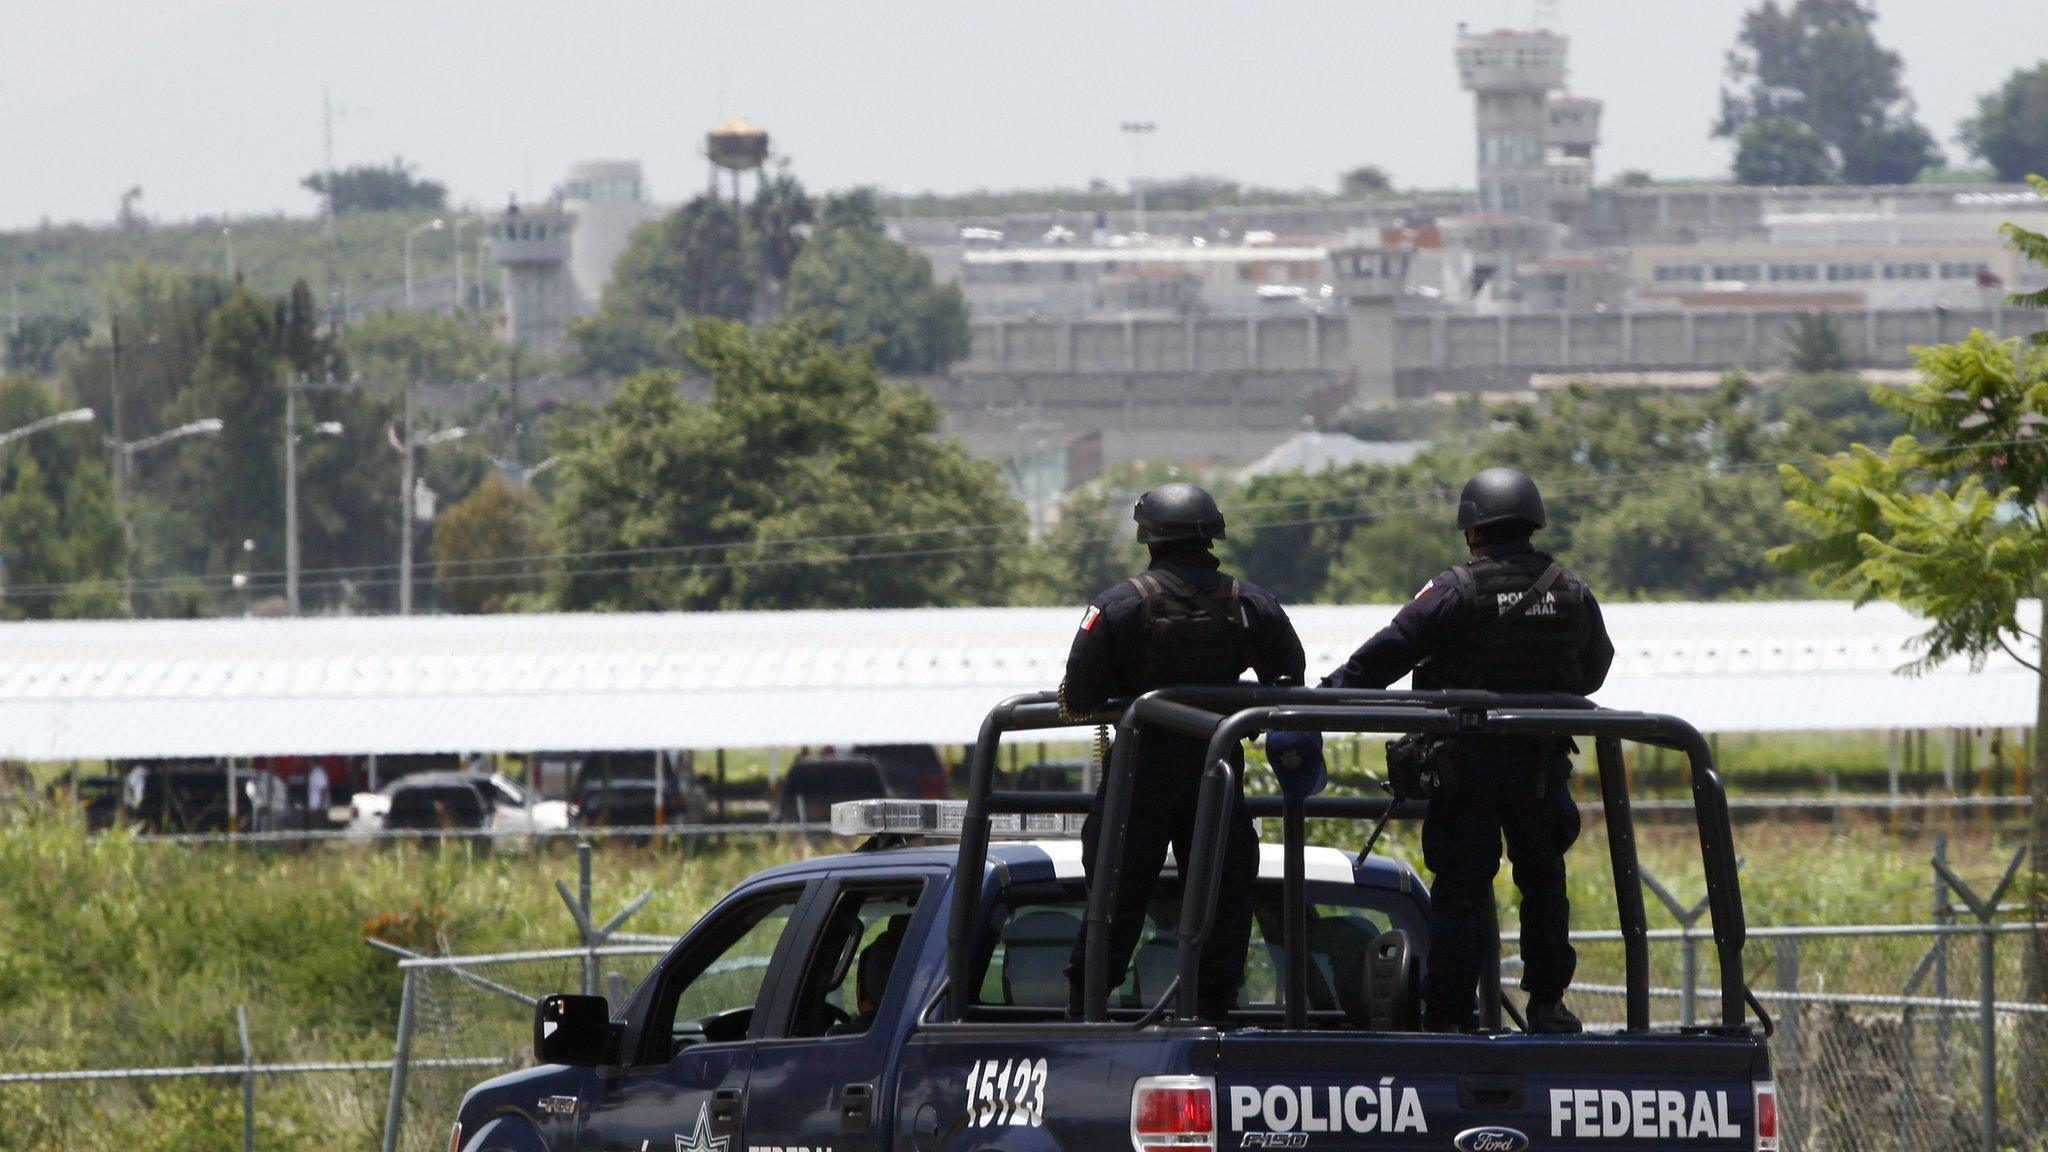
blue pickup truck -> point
(911, 996)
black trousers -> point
(1515, 790)
(1163, 799)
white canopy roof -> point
(92, 690)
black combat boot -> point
(1549, 1017)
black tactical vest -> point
(1187, 636)
(1537, 652)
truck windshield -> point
(1035, 924)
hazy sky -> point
(214, 105)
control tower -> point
(1535, 142)
(532, 248)
(608, 200)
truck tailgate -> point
(1331, 1093)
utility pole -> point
(293, 385)
(291, 493)
(405, 507)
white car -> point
(515, 814)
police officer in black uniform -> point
(1180, 622)
(1452, 636)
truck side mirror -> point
(574, 1030)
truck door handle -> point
(1490, 1093)
(725, 1108)
(856, 1107)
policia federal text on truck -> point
(912, 999)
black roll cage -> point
(1225, 716)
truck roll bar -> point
(1225, 716)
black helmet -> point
(1497, 496)
(1173, 512)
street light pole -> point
(1137, 130)
(75, 416)
(455, 242)
(124, 455)
(408, 481)
(405, 509)
(433, 225)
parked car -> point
(438, 802)
(815, 783)
(510, 811)
(1053, 776)
(632, 803)
(913, 771)
(98, 798)
(192, 796)
(619, 790)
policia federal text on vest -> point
(1458, 632)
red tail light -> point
(1173, 1112)
(1766, 1116)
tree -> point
(378, 188)
(1633, 178)
(486, 546)
(1815, 345)
(37, 345)
(780, 212)
(873, 290)
(804, 481)
(1951, 523)
(390, 349)
(2010, 129)
(1781, 152)
(1704, 540)
(233, 480)
(60, 540)
(689, 263)
(1818, 62)
(1364, 183)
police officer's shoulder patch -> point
(1089, 618)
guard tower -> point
(1371, 272)
(531, 247)
(1511, 76)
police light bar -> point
(944, 819)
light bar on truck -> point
(944, 819)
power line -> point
(541, 566)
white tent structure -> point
(93, 690)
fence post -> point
(1986, 911)
(248, 1081)
(583, 921)
(1785, 951)
(394, 1110)
(1944, 915)
(1688, 947)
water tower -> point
(737, 145)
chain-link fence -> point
(1881, 1029)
